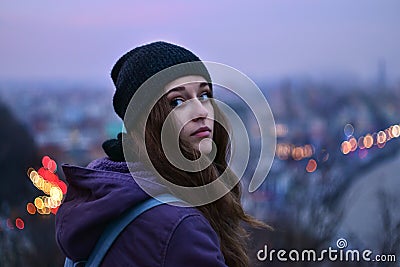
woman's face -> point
(189, 96)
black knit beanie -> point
(141, 63)
(136, 67)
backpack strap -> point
(69, 263)
(116, 227)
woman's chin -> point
(205, 146)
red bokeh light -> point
(19, 223)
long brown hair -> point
(225, 214)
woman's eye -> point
(176, 102)
(205, 96)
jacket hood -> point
(98, 194)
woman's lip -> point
(202, 130)
(205, 133)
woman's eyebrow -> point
(204, 85)
(182, 88)
(176, 89)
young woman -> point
(166, 235)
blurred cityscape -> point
(330, 138)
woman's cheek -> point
(178, 120)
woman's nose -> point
(198, 108)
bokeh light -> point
(348, 130)
(353, 143)
(396, 131)
(297, 153)
(56, 193)
(285, 151)
(346, 147)
(46, 180)
(45, 161)
(52, 166)
(311, 165)
(30, 208)
(30, 170)
(39, 203)
(19, 223)
(361, 142)
(368, 141)
(281, 130)
(9, 224)
(381, 137)
(378, 139)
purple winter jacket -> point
(165, 235)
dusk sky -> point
(81, 40)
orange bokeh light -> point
(395, 131)
(298, 153)
(353, 143)
(39, 203)
(346, 147)
(381, 137)
(368, 141)
(30, 208)
(46, 180)
(311, 165)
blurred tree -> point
(17, 153)
(34, 245)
